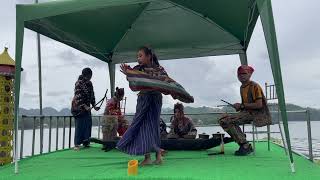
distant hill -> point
(199, 110)
(199, 119)
(292, 116)
(47, 111)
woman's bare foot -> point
(163, 152)
(146, 162)
(76, 148)
(158, 161)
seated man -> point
(252, 109)
(180, 124)
(113, 120)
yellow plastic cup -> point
(133, 167)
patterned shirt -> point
(250, 94)
(182, 126)
(153, 71)
(112, 108)
(256, 92)
(83, 94)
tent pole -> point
(18, 57)
(243, 58)
(266, 16)
(40, 88)
(112, 74)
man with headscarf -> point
(83, 98)
(253, 108)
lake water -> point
(298, 136)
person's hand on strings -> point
(124, 67)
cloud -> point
(24, 80)
(31, 1)
(207, 79)
(57, 93)
(24, 1)
(71, 58)
(30, 95)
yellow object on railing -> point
(133, 167)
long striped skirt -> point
(143, 135)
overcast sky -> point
(207, 79)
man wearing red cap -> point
(253, 108)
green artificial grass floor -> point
(93, 163)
